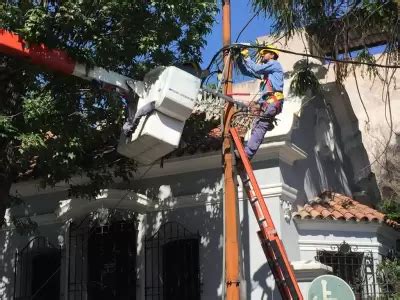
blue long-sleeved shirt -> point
(271, 70)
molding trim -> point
(360, 246)
(41, 220)
(123, 199)
(109, 198)
(307, 271)
(336, 225)
(275, 190)
(286, 194)
(282, 150)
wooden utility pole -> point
(231, 222)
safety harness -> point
(271, 96)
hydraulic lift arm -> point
(60, 61)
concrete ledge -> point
(282, 150)
(118, 199)
(308, 270)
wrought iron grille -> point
(359, 270)
(172, 264)
(37, 271)
(77, 261)
(102, 262)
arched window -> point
(102, 261)
(172, 264)
(37, 271)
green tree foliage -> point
(54, 127)
(333, 18)
(391, 208)
(388, 272)
(334, 24)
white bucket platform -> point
(174, 92)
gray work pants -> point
(261, 125)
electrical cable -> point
(359, 92)
(247, 24)
(353, 62)
(387, 83)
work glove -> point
(245, 52)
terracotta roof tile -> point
(212, 141)
(334, 206)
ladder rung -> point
(254, 200)
(261, 221)
(246, 181)
(282, 266)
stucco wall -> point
(10, 241)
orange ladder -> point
(271, 243)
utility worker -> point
(271, 101)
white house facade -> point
(161, 236)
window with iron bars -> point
(102, 261)
(172, 264)
(359, 270)
(37, 271)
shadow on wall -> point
(323, 133)
(7, 254)
(260, 278)
(193, 200)
(347, 127)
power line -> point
(353, 62)
(247, 24)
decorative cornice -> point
(109, 198)
(123, 199)
(336, 225)
(307, 271)
(356, 243)
(282, 150)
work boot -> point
(238, 160)
(237, 155)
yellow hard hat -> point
(269, 48)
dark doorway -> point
(46, 275)
(181, 272)
(37, 271)
(172, 264)
(111, 262)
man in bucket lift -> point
(271, 90)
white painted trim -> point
(41, 220)
(282, 150)
(337, 225)
(306, 271)
(110, 198)
(373, 249)
(309, 242)
(280, 190)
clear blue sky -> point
(241, 12)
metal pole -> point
(231, 221)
